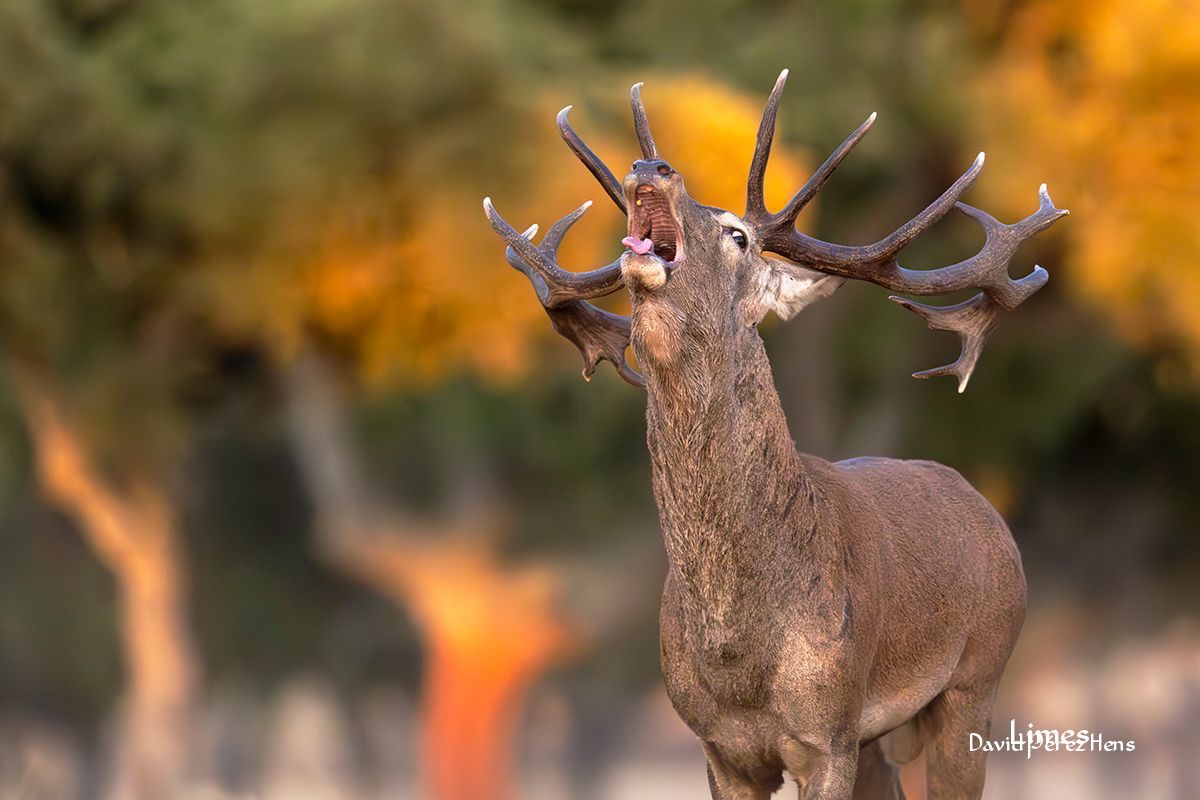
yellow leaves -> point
(1101, 100)
(431, 292)
(418, 303)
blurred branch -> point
(123, 526)
(134, 533)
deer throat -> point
(720, 450)
(657, 334)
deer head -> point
(698, 275)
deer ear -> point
(786, 289)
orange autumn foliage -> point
(1102, 100)
(413, 280)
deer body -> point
(824, 619)
(811, 606)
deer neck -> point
(730, 487)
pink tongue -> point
(639, 246)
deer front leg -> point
(825, 771)
(821, 701)
(876, 779)
(727, 784)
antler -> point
(973, 320)
(590, 160)
(599, 335)
(642, 125)
(553, 284)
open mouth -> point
(652, 226)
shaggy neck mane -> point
(727, 477)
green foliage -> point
(154, 150)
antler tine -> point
(602, 173)
(641, 124)
(973, 320)
(600, 336)
(819, 178)
(554, 285)
(756, 207)
(554, 236)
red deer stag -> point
(824, 619)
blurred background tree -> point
(198, 200)
(141, 176)
(1100, 98)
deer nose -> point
(659, 166)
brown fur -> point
(810, 607)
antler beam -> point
(877, 263)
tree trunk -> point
(134, 534)
(472, 704)
(489, 629)
(161, 662)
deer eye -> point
(739, 238)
